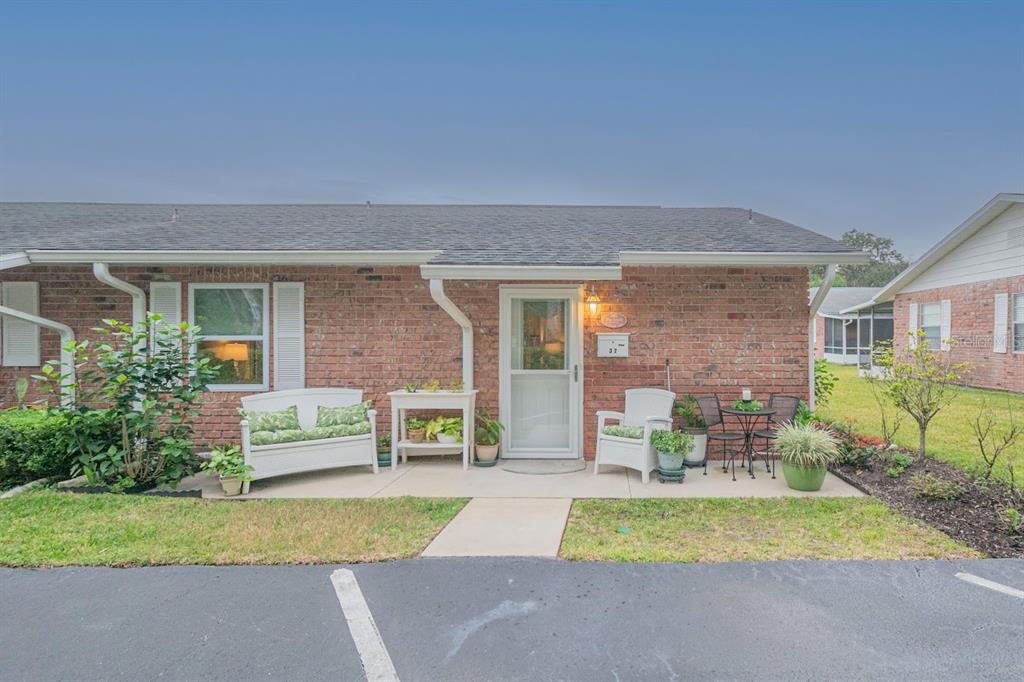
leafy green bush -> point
(900, 462)
(40, 443)
(672, 442)
(931, 487)
(1012, 519)
(825, 382)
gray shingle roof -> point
(576, 235)
(841, 298)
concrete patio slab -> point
(504, 527)
(445, 478)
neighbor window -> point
(1018, 323)
(232, 321)
(931, 324)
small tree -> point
(825, 381)
(891, 419)
(921, 382)
(153, 396)
(991, 444)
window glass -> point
(542, 329)
(234, 312)
(1018, 323)
(851, 337)
(231, 323)
(931, 324)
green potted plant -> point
(411, 387)
(672, 448)
(693, 423)
(445, 429)
(229, 464)
(488, 437)
(384, 450)
(805, 452)
(416, 429)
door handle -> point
(576, 373)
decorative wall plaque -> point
(613, 320)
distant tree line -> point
(886, 262)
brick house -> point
(512, 301)
(969, 288)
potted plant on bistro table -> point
(229, 464)
(488, 438)
(693, 424)
(806, 452)
(672, 448)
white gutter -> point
(13, 260)
(67, 358)
(437, 293)
(740, 258)
(819, 298)
(102, 272)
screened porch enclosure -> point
(853, 339)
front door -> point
(541, 349)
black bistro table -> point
(748, 422)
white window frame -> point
(920, 324)
(265, 338)
(1016, 300)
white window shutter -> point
(1001, 314)
(20, 338)
(912, 323)
(289, 336)
(165, 300)
(946, 325)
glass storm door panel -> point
(541, 368)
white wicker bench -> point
(308, 455)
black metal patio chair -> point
(711, 412)
(785, 407)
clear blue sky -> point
(900, 120)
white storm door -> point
(540, 372)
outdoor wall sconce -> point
(593, 302)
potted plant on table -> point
(446, 430)
(229, 464)
(805, 452)
(384, 450)
(416, 429)
(488, 437)
(693, 424)
(672, 448)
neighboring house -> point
(850, 338)
(969, 289)
(512, 300)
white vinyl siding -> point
(289, 336)
(1018, 323)
(19, 340)
(234, 328)
(999, 323)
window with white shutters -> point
(233, 327)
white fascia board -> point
(522, 272)
(184, 257)
(983, 216)
(740, 258)
(13, 260)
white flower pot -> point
(446, 439)
(700, 446)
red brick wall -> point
(972, 322)
(720, 329)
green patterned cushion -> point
(624, 431)
(336, 416)
(285, 420)
(339, 431)
(275, 437)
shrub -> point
(931, 487)
(854, 455)
(900, 462)
(805, 446)
(825, 382)
(1012, 520)
(687, 408)
(40, 443)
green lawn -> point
(747, 529)
(47, 528)
(950, 435)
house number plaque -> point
(613, 320)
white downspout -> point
(67, 358)
(102, 272)
(437, 293)
(819, 298)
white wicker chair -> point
(650, 408)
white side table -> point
(402, 401)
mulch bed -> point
(973, 518)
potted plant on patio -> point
(446, 430)
(672, 448)
(488, 437)
(384, 450)
(805, 452)
(416, 429)
(693, 423)
(229, 464)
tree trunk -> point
(920, 448)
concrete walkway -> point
(445, 478)
(505, 526)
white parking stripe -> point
(372, 653)
(998, 587)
